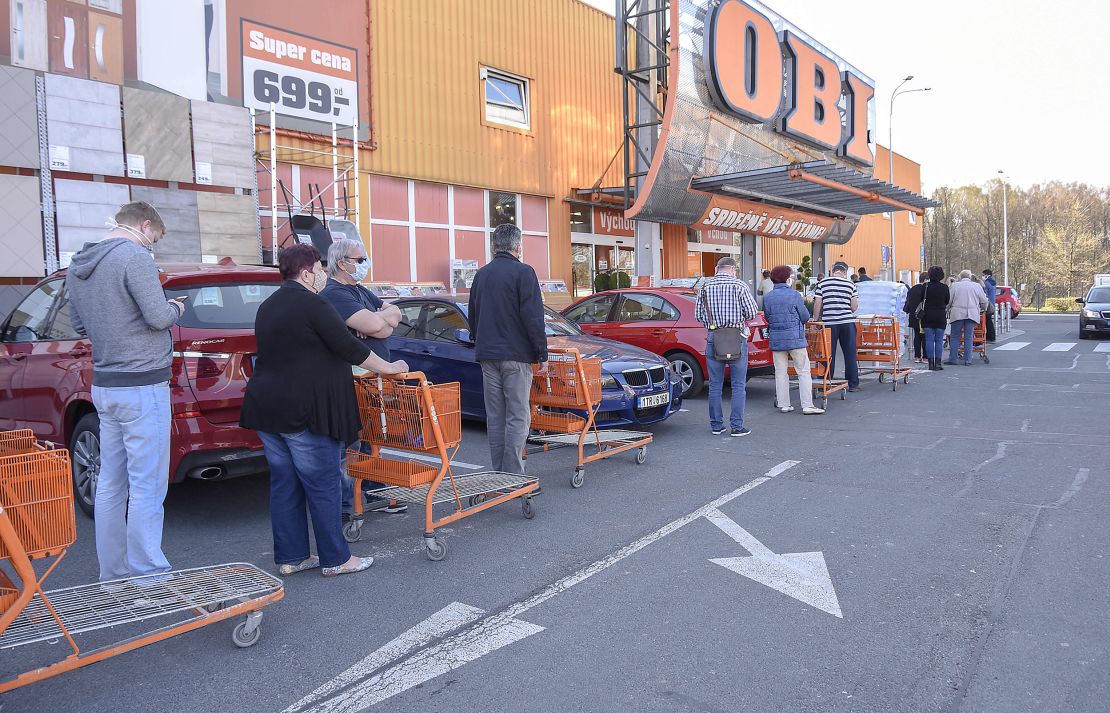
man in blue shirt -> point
(991, 288)
(369, 320)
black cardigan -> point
(302, 378)
(936, 299)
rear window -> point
(228, 305)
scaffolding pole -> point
(273, 185)
(334, 172)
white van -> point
(1102, 280)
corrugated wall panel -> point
(777, 251)
(865, 247)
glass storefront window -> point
(502, 208)
(581, 218)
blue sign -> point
(886, 254)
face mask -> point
(362, 269)
(143, 239)
(319, 281)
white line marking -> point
(429, 459)
(502, 628)
(1025, 425)
(1059, 347)
(1011, 346)
(1080, 479)
(1104, 347)
(1074, 364)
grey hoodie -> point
(116, 299)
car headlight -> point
(1091, 313)
(609, 383)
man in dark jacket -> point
(990, 286)
(507, 325)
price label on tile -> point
(59, 158)
(204, 173)
(136, 165)
(299, 76)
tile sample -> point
(83, 207)
(228, 227)
(222, 137)
(156, 126)
(84, 117)
(29, 44)
(178, 209)
(19, 126)
(21, 215)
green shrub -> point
(1060, 304)
(621, 280)
(602, 282)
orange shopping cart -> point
(37, 523)
(413, 428)
(978, 340)
(879, 343)
(819, 349)
(566, 394)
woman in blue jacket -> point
(787, 315)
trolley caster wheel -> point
(436, 549)
(881, 378)
(245, 639)
(213, 607)
(527, 508)
(986, 360)
(475, 500)
(352, 531)
(641, 456)
(579, 478)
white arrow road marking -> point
(488, 634)
(1011, 346)
(801, 575)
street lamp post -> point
(890, 176)
(1005, 231)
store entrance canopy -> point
(816, 186)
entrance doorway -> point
(600, 256)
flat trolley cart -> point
(978, 340)
(566, 394)
(819, 349)
(420, 424)
(37, 523)
(879, 343)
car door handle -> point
(17, 356)
(80, 352)
(658, 332)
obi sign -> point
(301, 76)
(747, 61)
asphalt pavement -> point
(941, 547)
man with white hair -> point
(966, 302)
(368, 319)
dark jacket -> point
(506, 312)
(913, 299)
(302, 378)
(935, 295)
(786, 315)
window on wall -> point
(886, 216)
(581, 218)
(502, 208)
(913, 218)
(507, 98)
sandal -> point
(287, 569)
(360, 564)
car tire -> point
(688, 369)
(1083, 335)
(84, 449)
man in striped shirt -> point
(836, 305)
(731, 304)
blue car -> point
(638, 387)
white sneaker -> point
(786, 409)
(813, 411)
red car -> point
(1008, 295)
(661, 320)
(46, 373)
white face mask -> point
(362, 269)
(143, 239)
(319, 281)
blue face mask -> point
(361, 270)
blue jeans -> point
(738, 369)
(966, 327)
(134, 475)
(304, 471)
(845, 336)
(934, 342)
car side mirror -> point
(1080, 300)
(463, 337)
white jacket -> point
(967, 300)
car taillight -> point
(202, 365)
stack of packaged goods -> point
(879, 298)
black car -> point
(1094, 318)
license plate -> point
(653, 400)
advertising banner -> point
(742, 216)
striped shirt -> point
(729, 299)
(836, 295)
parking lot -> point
(941, 548)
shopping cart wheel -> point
(476, 500)
(881, 377)
(986, 359)
(641, 455)
(527, 507)
(244, 635)
(352, 531)
(436, 549)
(578, 478)
(214, 607)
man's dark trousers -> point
(845, 336)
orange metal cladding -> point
(777, 251)
(865, 247)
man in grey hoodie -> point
(116, 299)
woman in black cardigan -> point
(913, 299)
(301, 401)
(934, 318)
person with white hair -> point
(967, 300)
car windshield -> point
(228, 305)
(1099, 294)
(555, 325)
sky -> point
(1021, 86)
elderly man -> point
(835, 304)
(371, 321)
(967, 300)
(726, 302)
(507, 323)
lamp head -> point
(908, 78)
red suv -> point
(661, 320)
(46, 373)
